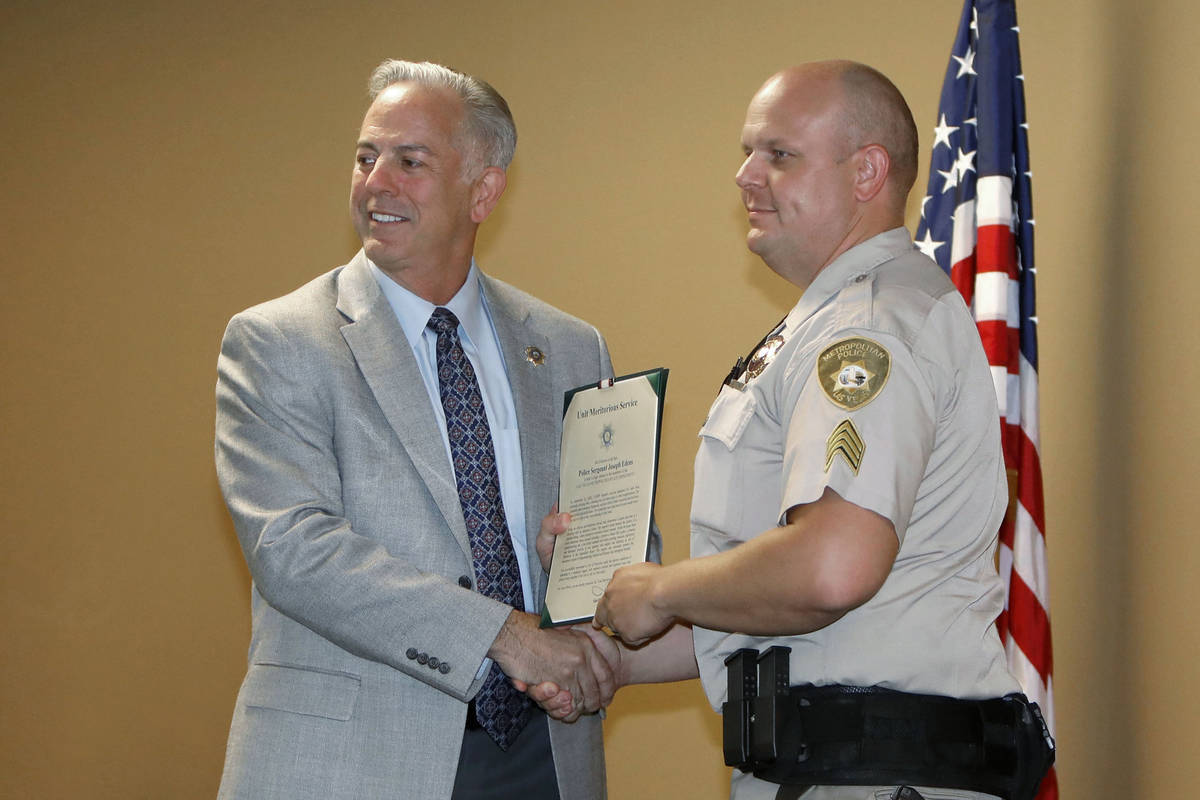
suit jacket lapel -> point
(538, 411)
(390, 370)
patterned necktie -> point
(502, 711)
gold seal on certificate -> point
(607, 475)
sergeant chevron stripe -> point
(845, 442)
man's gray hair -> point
(488, 122)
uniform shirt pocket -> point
(728, 416)
(301, 690)
(718, 491)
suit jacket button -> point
(444, 668)
(433, 662)
(422, 658)
(411, 652)
(464, 581)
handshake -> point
(577, 670)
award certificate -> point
(607, 476)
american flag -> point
(977, 223)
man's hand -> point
(567, 658)
(628, 605)
(553, 526)
(557, 702)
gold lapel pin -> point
(535, 356)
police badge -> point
(763, 355)
(853, 371)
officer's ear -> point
(872, 165)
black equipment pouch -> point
(1036, 748)
(867, 736)
(769, 702)
(758, 688)
(742, 676)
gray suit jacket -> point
(335, 474)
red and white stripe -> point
(985, 270)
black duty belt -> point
(867, 736)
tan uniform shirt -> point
(879, 389)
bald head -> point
(870, 110)
(831, 152)
(876, 113)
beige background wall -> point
(164, 165)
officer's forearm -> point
(831, 557)
(670, 657)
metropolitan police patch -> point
(853, 371)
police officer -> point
(849, 482)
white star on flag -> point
(941, 134)
(928, 246)
(966, 64)
(964, 163)
(951, 176)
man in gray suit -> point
(377, 621)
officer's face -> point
(797, 179)
(409, 200)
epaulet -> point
(855, 301)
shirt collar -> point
(413, 312)
(856, 263)
(863, 258)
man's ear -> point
(485, 193)
(874, 164)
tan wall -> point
(164, 166)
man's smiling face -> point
(409, 198)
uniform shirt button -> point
(444, 668)
(422, 658)
(464, 581)
(411, 652)
(433, 662)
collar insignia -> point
(535, 356)
(763, 356)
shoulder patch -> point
(852, 372)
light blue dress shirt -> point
(482, 348)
